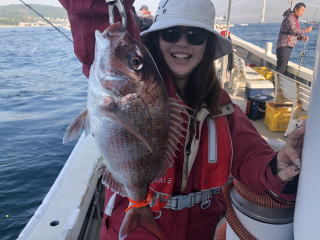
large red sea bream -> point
(136, 126)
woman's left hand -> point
(289, 163)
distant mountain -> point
(15, 13)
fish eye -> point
(136, 63)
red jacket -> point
(251, 154)
(251, 159)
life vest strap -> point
(179, 202)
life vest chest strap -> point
(179, 202)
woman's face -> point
(181, 56)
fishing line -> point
(27, 5)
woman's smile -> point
(181, 56)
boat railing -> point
(241, 73)
(291, 90)
(295, 92)
(264, 57)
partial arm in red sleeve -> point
(85, 17)
(252, 157)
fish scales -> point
(127, 158)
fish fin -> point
(109, 182)
(141, 217)
(178, 126)
(81, 122)
(123, 121)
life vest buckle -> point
(180, 202)
(206, 204)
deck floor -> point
(275, 139)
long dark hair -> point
(203, 85)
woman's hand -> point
(289, 163)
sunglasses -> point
(194, 36)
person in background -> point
(184, 45)
(144, 12)
(143, 22)
(290, 32)
(146, 17)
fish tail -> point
(140, 217)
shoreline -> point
(7, 26)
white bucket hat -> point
(191, 13)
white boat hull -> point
(307, 211)
(62, 212)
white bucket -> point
(259, 223)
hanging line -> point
(27, 5)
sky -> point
(242, 10)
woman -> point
(220, 140)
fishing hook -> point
(112, 4)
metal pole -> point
(291, 3)
(263, 11)
(228, 19)
(224, 60)
(307, 208)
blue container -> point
(260, 87)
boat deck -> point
(275, 139)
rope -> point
(262, 200)
(139, 204)
(232, 218)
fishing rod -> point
(27, 5)
(303, 52)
